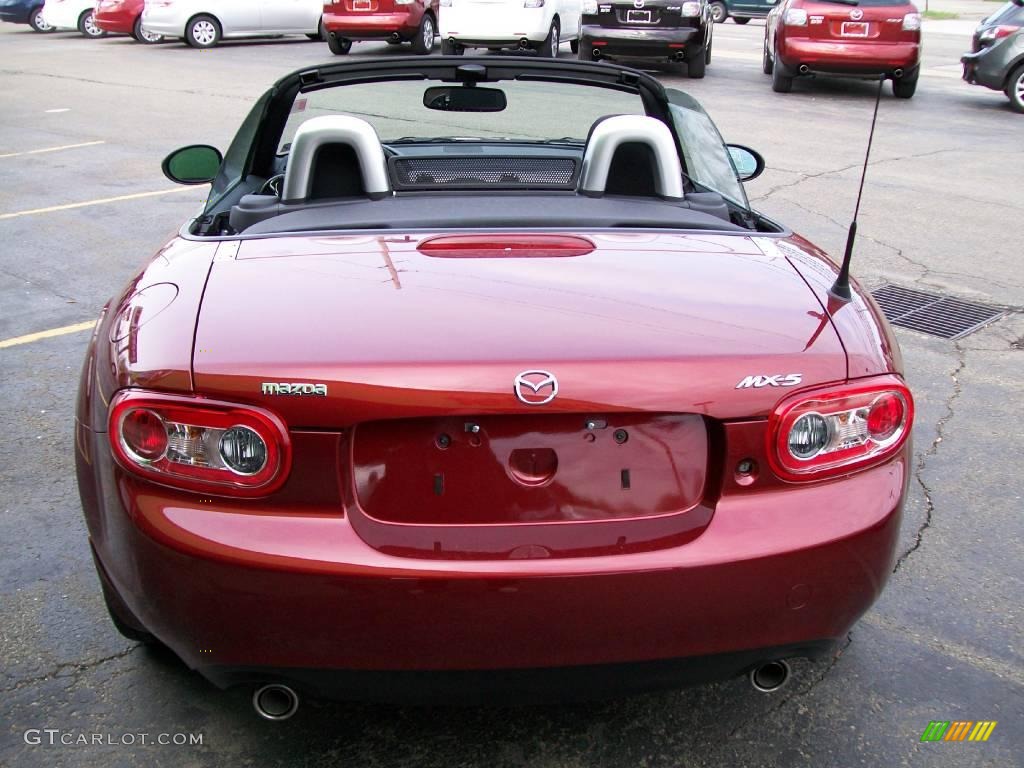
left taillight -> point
(208, 446)
(832, 431)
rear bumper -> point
(848, 58)
(640, 43)
(981, 68)
(241, 595)
(162, 21)
(372, 26)
(122, 21)
(476, 26)
(14, 14)
(515, 686)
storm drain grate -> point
(933, 314)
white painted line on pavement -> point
(101, 201)
(29, 338)
(52, 149)
(55, 111)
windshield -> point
(536, 111)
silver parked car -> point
(204, 23)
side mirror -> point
(748, 163)
(195, 164)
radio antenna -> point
(841, 288)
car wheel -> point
(574, 45)
(202, 32)
(719, 12)
(423, 42)
(904, 87)
(36, 20)
(87, 26)
(142, 36)
(695, 67)
(1015, 89)
(339, 45)
(766, 60)
(549, 48)
(781, 82)
(740, 20)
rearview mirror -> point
(748, 163)
(464, 99)
(195, 164)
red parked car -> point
(496, 408)
(858, 38)
(123, 17)
(394, 21)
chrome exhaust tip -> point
(275, 702)
(897, 73)
(679, 56)
(395, 36)
(596, 53)
(524, 44)
(770, 677)
(804, 69)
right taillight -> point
(836, 430)
(997, 33)
(201, 445)
(912, 22)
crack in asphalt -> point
(797, 693)
(77, 667)
(922, 461)
(926, 270)
(40, 286)
(859, 164)
(150, 87)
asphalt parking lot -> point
(941, 212)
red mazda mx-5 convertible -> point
(529, 399)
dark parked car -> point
(846, 38)
(498, 406)
(24, 12)
(669, 30)
(1000, 66)
(741, 11)
(1000, 24)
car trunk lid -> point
(433, 363)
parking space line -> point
(101, 201)
(52, 149)
(29, 338)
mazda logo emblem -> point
(535, 387)
(856, 14)
(638, 3)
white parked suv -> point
(72, 14)
(538, 25)
(204, 23)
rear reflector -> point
(505, 246)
